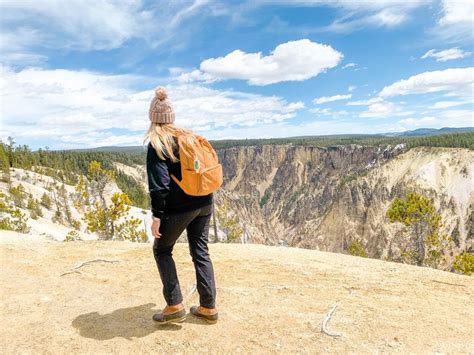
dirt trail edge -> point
(271, 299)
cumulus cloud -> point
(454, 82)
(450, 118)
(445, 55)
(291, 61)
(325, 99)
(195, 75)
(379, 110)
(84, 108)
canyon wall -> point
(323, 198)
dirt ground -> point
(270, 299)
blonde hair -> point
(161, 138)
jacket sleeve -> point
(158, 181)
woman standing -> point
(174, 211)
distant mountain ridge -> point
(431, 131)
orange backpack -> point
(201, 172)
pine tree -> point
(46, 201)
(5, 165)
(228, 223)
(18, 195)
(425, 241)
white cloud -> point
(195, 75)
(351, 88)
(324, 99)
(381, 13)
(454, 82)
(456, 11)
(328, 112)
(85, 108)
(77, 24)
(379, 110)
(353, 15)
(445, 55)
(456, 21)
(291, 61)
(29, 25)
(426, 121)
(349, 65)
(447, 104)
(450, 118)
(365, 102)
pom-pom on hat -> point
(161, 110)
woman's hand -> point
(155, 228)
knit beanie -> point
(161, 110)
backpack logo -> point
(196, 165)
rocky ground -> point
(270, 299)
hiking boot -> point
(171, 314)
(210, 315)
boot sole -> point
(204, 317)
(173, 320)
(210, 321)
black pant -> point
(196, 223)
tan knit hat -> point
(161, 110)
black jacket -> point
(165, 194)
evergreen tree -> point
(426, 242)
(5, 165)
(46, 201)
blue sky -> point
(78, 74)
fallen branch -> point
(71, 272)
(325, 322)
(448, 283)
(74, 269)
(94, 261)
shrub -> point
(357, 249)
(12, 218)
(72, 236)
(229, 224)
(464, 263)
(46, 201)
(18, 195)
(264, 198)
(130, 230)
(15, 221)
(35, 208)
